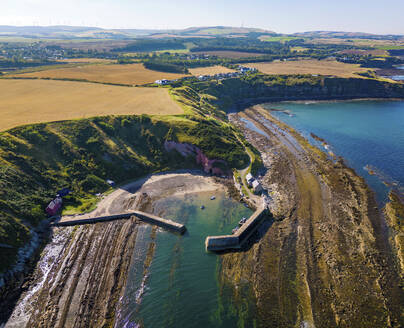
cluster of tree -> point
(370, 61)
(147, 45)
(125, 60)
(164, 66)
(396, 52)
(17, 63)
(180, 63)
(240, 44)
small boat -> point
(212, 198)
(242, 221)
(202, 207)
(234, 230)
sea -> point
(369, 135)
(183, 287)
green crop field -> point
(278, 38)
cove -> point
(182, 285)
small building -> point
(256, 187)
(111, 183)
(249, 177)
(54, 206)
(162, 82)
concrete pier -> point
(146, 217)
(237, 240)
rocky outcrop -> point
(325, 261)
(394, 211)
(208, 165)
(88, 277)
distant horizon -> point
(283, 17)
(201, 26)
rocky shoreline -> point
(85, 281)
(16, 281)
(394, 211)
(326, 260)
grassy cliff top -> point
(37, 160)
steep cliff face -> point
(209, 165)
(239, 93)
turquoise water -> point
(363, 132)
(182, 287)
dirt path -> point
(324, 262)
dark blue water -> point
(363, 132)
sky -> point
(282, 16)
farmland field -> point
(91, 44)
(373, 52)
(87, 60)
(35, 101)
(134, 74)
(298, 49)
(210, 70)
(322, 67)
(380, 44)
(229, 54)
(282, 39)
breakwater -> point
(237, 240)
(146, 217)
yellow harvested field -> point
(36, 101)
(87, 60)
(321, 67)
(229, 54)
(133, 74)
(211, 70)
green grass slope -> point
(38, 160)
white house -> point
(256, 187)
(249, 179)
(162, 82)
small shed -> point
(256, 187)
